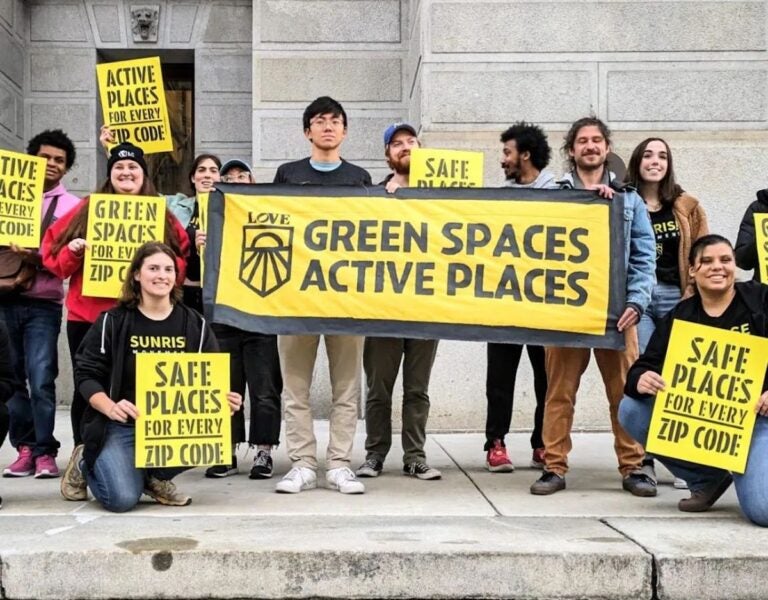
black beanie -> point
(126, 151)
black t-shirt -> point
(193, 261)
(148, 335)
(735, 318)
(301, 172)
(667, 232)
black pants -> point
(254, 360)
(76, 331)
(503, 360)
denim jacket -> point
(639, 241)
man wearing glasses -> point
(325, 126)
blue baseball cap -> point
(390, 131)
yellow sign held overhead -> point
(21, 198)
(184, 416)
(706, 414)
(432, 167)
(117, 226)
(133, 103)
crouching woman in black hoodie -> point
(718, 302)
(149, 318)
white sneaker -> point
(297, 480)
(344, 480)
(680, 484)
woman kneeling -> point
(718, 302)
(148, 318)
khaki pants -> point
(297, 362)
(565, 366)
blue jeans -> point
(114, 481)
(751, 487)
(663, 299)
(33, 326)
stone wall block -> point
(341, 21)
(346, 79)
(11, 59)
(63, 70)
(76, 119)
(57, 23)
(229, 23)
(182, 22)
(223, 123)
(6, 11)
(8, 100)
(224, 71)
(106, 23)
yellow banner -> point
(21, 198)
(432, 167)
(530, 264)
(714, 378)
(184, 416)
(117, 226)
(761, 239)
(133, 102)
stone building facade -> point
(695, 72)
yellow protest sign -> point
(761, 240)
(117, 226)
(133, 103)
(183, 411)
(202, 219)
(21, 198)
(433, 167)
(714, 378)
(458, 264)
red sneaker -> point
(537, 460)
(23, 466)
(45, 467)
(497, 460)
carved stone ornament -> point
(144, 22)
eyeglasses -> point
(335, 122)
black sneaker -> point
(262, 466)
(547, 484)
(421, 470)
(639, 484)
(218, 471)
(372, 467)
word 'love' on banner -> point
(532, 266)
(21, 198)
(432, 167)
(183, 410)
(706, 414)
(117, 226)
(761, 239)
(133, 103)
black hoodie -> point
(746, 242)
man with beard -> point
(586, 145)
(525, 155)
(382, 357)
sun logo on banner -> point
(265, 264)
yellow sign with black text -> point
(184, 416)
(327, 264)
(21, 198)
(133, 102)
(117, 226)
(433, 167)
(706, 413)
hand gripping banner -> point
(485, 264)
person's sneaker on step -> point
(702, 500)
(537, 459)
(344, 480)
(262, 466)
(45, 467)
(372, 467)
(639, 484)
(680, 484)
(421, 470)
(222, 470)
(73, 484)
(547, 484)
(163, 491)
(297, 480)
(23, 466)
(497, 460)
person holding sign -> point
(33, 318)
(149, 317)
(587, 144)
(63, 252)
(7, 381)
(747, 256)
(718, 302)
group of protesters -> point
(675, 269)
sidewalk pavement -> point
(472, 534)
